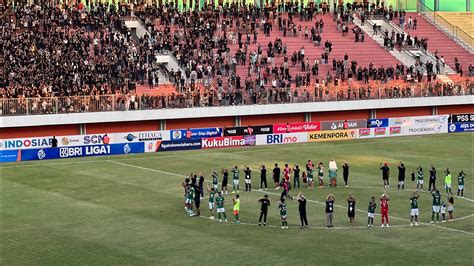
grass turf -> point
(129, 209)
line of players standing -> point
(194, 193)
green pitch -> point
(129, 209)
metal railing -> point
(453, 31)
(203, 98)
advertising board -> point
(380, 122)
(282, 138)
(7, 156)
(196, 133)
(461, 127)
(343, 124)
(172, 145)
(81, 151)
(250, 130)
(229, 141)
(333, 135)
(296, 127)
(461, 118)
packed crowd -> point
(75, 51)
(51, 51)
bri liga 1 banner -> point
(81, 151)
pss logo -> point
(452, 128)
(127, 149)
(41, 154)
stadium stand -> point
(441, 44)
(75, 52)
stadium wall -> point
(167, 119)
(106, 143)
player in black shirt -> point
(201, 185)
(225, 180)
(276, 176)
(263, 177)
(385, 174)
(345, 173)
(302, 209)
(197, 201)
(330, 210)
(351, 209)
(401, 175)
(264, 204)
(432, 181)
(248, 179)
(296, 176)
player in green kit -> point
(371, 212)
(215, 180)
(189, 200)
(321, 174)
(283, 214)
(310, 177)
(461, 177)
(212, 196)
(220, 207)
(419, 180)
(436, 205)
(236, 209)
(235, 179)
(414, 208)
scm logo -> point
(280, 139)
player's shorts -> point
(248, 181)
(461, 187)
(310, 179)
(211, 205)
(283, 216)
(370, 215)
(188, 201)
(436, 209)
(215, 186)
(321, 177)
(236, 182)
(450, 208)
(414, 212)
(384, 212)
(447, 186)
(351, 214)
(220, 210)
(236, 212)
(418, 181)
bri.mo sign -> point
(282, 138)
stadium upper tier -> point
(54, 56)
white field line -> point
(243, 150)
(298, 227)
(314, 201)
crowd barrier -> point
(40, 148)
